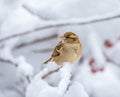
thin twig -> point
(43, 50)
(28, 79)
(14, 64)
(71, 22)
(49, 73)
(30, 11)
(68, 87)
(9, 62)
(35, 41)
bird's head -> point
(70, 37)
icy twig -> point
(29, 10)
(49, 73)
(112, 52)
(65, 73)
(36, 41)
(70, 22)
(65, 78)
(115, 63)
(8, 61)
(23, 68)
(40, 88)
(50, 68)
(42, 50)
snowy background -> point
(29, 31)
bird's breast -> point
(69, 53)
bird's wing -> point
(58, 49)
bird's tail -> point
(50, 59)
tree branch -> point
(43, 50)
(35, 41)
(70, 22)
(14, 64)
(30, 11)
(49, 73)
(9, 62)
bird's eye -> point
(67, 37)
(73, 39)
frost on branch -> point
(69, 22)
(41, 88)
(65, 74)
(24, 70)
(6, 50)
(76, 90)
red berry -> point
(93, 70)
(101, 69)
(91, 62)
(119, 38)
(108, 44)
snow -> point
(1, 94)
(6, 51)
(24, 69)
(95, 48)
(65, 9)
(74, 21)
(39, 87)
(6, 54)
(114, 53)
(77, 90)
(104, 84)
(65, 73)
(7, 8)
(51, 66)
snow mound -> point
(24, 69)
(41, 88)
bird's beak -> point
(62, 39)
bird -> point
(69, 49)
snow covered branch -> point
(29, 10)
(35, 41)
(50, 72)
(9, 62)
(41, 88)
(42, 50)
(112, 52)
(24, 69)
(65, 78)
(49, 69)
(70, 22)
